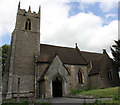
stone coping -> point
(86, 97)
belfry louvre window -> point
(80, 77)
(28, 24)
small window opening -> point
(80, 79)
(28, 25)
(110, 75)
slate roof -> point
(96, 65)
(43, 68)
(66, 54)
(96, 59)
(71, 56)
(91, 56)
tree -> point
(116, 53)
(4, 56)
(0, 67)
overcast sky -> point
(93, 25)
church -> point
(47, 71)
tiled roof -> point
(72, 56)
(66, 54)
(91, 56)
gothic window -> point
(110, 75)
(28, 24)
(80, 77)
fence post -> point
(18, 90)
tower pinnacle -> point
(19, 5)
(76, 45)
(39, 9)
(29, 9)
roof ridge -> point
(91, 52)
(70, 48)
(58, 46)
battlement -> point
(27, 20)
(25, 13)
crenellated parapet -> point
(29, 12)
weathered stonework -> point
(74, 78)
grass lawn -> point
(100, 93)
(112, 101)
(108, 92)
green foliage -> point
(107, 92)
(43, 102)
(22, 102)
(115, 49)
(4, 56)
(4, 52)
(112, 102)
(97, 102)
(14, 102)
(115, 98)
(98, 93)
(77, 91)
(25, 101)
(9, 101)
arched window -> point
(29, 28)
(80, 77)
(110, 75)
(28, 24)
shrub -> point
(97, 101)
(115, 98)
(24, 101)
(14, 101)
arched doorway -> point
(57, 87)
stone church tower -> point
(25, 45)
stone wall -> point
(96, 81)
(74, 84)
